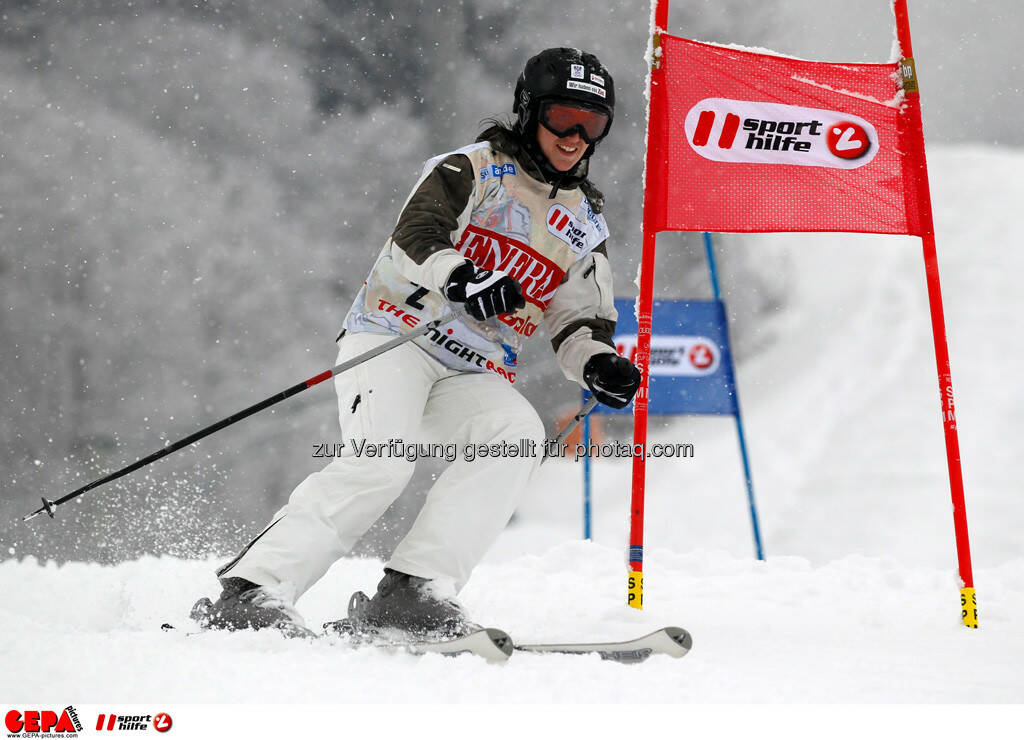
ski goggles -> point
(562, 119)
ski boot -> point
(246, 605)
(406, 605)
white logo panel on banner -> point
(745, 131)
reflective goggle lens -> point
(561, 120)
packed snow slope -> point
(857, 601)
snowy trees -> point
(181, 232)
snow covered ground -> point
(857, 601)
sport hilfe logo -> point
(563, 224)
(675, 355)
(123, 722)
(745, 131)
(847, 140)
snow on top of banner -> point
(895, 102)
(763, 50)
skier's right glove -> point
(613, 379)
(486, 293)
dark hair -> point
(502, 134)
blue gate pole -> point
(586, 472)
(739, 421)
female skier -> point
(506, 232)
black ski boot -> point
(245, 605)
(408, 605)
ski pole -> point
(589, 406)
(50, 506)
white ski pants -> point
(404, 395)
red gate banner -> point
(748, 142)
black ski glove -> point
(486, 293)
(613, 379)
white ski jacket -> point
(481, 204)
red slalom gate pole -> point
(635, 593)
(968, 600)
(635, 589)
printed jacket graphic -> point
(480, 204)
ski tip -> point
(680, 637)
(200, 613)
(501, 640)
(356, 604)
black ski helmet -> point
(562, 74)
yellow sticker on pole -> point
(909, 74)
(635, 598)
(969, 607)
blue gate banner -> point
(691, 366)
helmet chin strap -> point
(554, 188)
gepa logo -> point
(675, 355)
(743, 131)
(44, 722)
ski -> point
(673, 641)
(493, 645)
(489, 643)
(289, 632)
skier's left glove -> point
(613, 379)
(486, 293)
